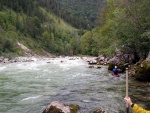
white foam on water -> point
(2, 68)
(80, 74)
(31, 98)
(86, 101)
(28, 66)
(48, 79)
(67, 65)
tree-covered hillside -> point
(41, 26)
(81, 14)
(124, 25)
(30, 23)
(85, 11)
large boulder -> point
(142, 71)
(57, 107)
(102, 60)
(121, 58)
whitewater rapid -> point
(28, 87)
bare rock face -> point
(121, 58)
(26, 50)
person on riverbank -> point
(116, 72)
(135, 107)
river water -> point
(30, 86)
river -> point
(29, 87)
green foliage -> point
(81, 14)
(142, 71)
(7, 46)
(74, 108)
(134, 25)
(125, 26)
(28, 23)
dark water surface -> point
(29, 87)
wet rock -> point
(90, 66)
(102, 60)
(6, 60)
(92, 62)
(1, 59)
(142, 71)
(57, 107)
(97, 66)
(99, 111)
(73, 58)
(94, 66)
(12, 61)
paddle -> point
(127, 106)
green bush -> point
(142, 72)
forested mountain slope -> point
(82, 14)
(124, 25)
(84, 10)
(41, 25)
(27, 22)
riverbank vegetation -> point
(123, 25)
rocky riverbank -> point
(22, 59)
(140, 70)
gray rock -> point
(56, 107)
(1, 59)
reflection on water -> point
(30, 87)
